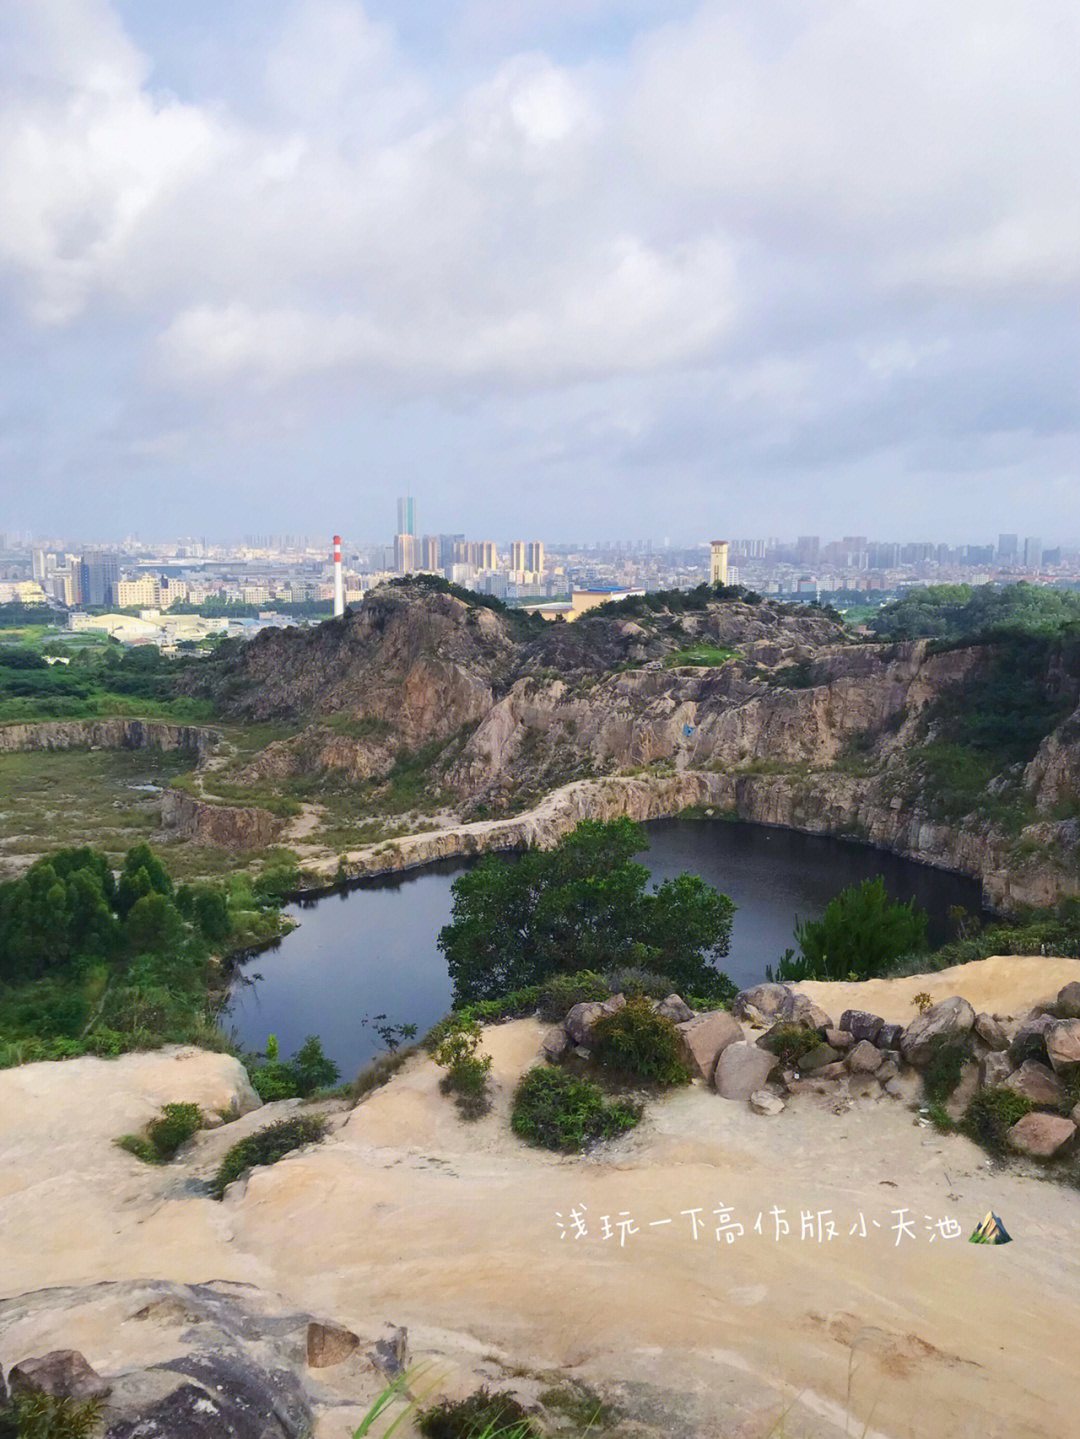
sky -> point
(559, 268)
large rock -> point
(865, 1058)
(802, 1010)
(997, 1066)
(818, 1057)
(555, 1044)
(675, 1008)
(329, 1344)
(1042, 1136)
(62, 1373)
(764, 1101)
(742, 1068)
(991, 1032)
(702, 1040)
(1068, 1000)
(1063, 1045)
(951, 1017)
(1037, 1083)
(761, 1004)
(839, 1038)
(579, 1022)
(1029, 1041)
(861, 1025)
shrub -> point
(312, 1068)
(939, 1117)
(466, 1074)
(481, 1414)
(52, 1416)
(267, 1146)
(789, 1042)
(307, 1071)
(275, 1080)
(861, 933)
(638, 1042)
(561, 992)
(164, 1136)
(942, 1073)
(992, 1113)
(556, 1110)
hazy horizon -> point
(554, 268)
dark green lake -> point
(373, 951)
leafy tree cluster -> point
(522, 621)
(959, 613)
(29, 687)
(582, 905)
(859, 936)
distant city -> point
(189, 588)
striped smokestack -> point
(339, 582)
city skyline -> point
(539, 265)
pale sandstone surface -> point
(1004, 985)
(408, 1215)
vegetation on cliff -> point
(582, 905)
(98, 680)
(965, 614)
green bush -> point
(942, 1073)
(556, 1110)
(789, 1042)
(467, 1072)
(861, 933)
(992, 1113)
(267, 1146)
(308, 1070)
(637, 1042)
(275, 1080)
(561, 992)
(482, 1414)
(51, 1416)
(164, 1136)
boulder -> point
(580, 1020)
(761, 1004)
(63, 1373)
(742, 1068)
(836, 1070)
(1042, 1136)
(839, 1038)
(1037, 1083)
(329, 1344)
(675, 1008)
(1029, 1040)
(889, 1069)
(1074, 1114)
(764, 1101)
(614, 1004)
(861, 1025)
(991, 1032)
(865, 1058)
(703, 1039)
(818, 1057)
(1068, 1000)
(965, 1091)
(802, 1010)
(392, 1353)
(952, 1016)
(1063, 1045)
(889, 1036)
(997, 1066)
(555, 1044)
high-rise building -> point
(406, 516)
(1033, 553)
(517, 556)
(534, 555)
(406, 556)
(39, 566)
(431, 553)
(1008, 549)
(808, 549)
(447, 548)
(489, 555)
(99, 574)
(718, 556)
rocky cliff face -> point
(107, 734)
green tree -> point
(861, 933)
(582, 905)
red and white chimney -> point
(339, 580)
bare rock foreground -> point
(408, 1216)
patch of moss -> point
(481, 1414)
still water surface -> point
(372, 950)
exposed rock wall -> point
(106, 734)
(226, 826)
